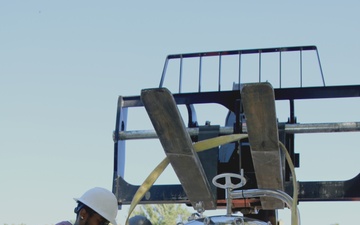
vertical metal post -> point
(200, 68)
(259, 66)
(180, 75)
(322, 75)
(280, 69)
(119, 145)
(219, 71)
(228, 198)
(300, 67)
(239, 68)
(164, 72)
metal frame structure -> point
(348, 190)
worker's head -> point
(97, 206)
(139, 220)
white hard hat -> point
(101, 201)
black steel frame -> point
(348, 190)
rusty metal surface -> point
(259, 106)
(170, 128)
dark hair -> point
(83, 206)
(89, 210)
(139, 220)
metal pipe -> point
(288, 128)
(228, 201)
(322, 127)
(252, 193)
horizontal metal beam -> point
(227, 98)
(288, 128)
(346, 190)
(243, 51)
(309, 191)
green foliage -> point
(163, 214)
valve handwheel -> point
(228, 183)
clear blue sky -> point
(64, 63)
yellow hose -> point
(294, 210)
